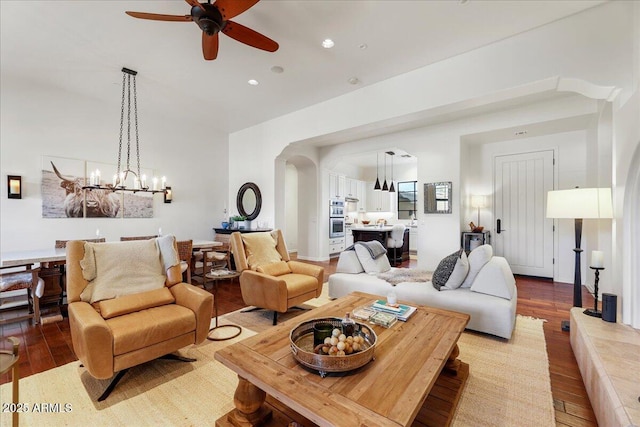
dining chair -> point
(127, 238)
(205, 260)
(21, 278)
(185, 251)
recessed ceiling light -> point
(328, 43)
(277, 69)
(353, 81)
(253, 82)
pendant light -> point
(140, 183)
(377, 186)
(391, 187)
(385, 187)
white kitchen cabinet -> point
(362, 196)
(378, 201)
(351, 187)
(336, 185)
(336, 245)
(348, 238)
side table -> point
(215, 278)
(470, 240)
(9, 362)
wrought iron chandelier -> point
(119, 183)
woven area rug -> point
(508, 385)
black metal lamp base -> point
(592, 312)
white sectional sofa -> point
(490, 299)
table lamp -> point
(478, 202)
(578, 204)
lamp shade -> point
(478, 201)
(580, 203)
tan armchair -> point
(269, 279)
(133, 326)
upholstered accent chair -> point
(269, 279)
(128, 305)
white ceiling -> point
(81, 46)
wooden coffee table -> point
(274, 389)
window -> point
(407, 199)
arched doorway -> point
(298, 209)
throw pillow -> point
(370, 265)
(459, 272)
(444, 269)
(124, 268)
(275, 268)
(348, 263)
(260, 249)
(477, 259)
(495, 279)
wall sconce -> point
(14, 187)
(168, 195)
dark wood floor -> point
(49, 345)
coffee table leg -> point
(250, 408)
(453, 364)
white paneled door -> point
(523, 234)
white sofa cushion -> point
(489, 314)
(445, 268)
(370, 265)
(459, 273)
(477, 259)
(349, 263)
(496, 279)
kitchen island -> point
(381, 234)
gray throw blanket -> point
(374, 247)
(400, 275)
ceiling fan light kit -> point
(216, 18)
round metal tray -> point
(301, 338)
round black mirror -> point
(249, 201)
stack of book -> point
(401, 311)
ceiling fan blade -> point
(195, 3)
(249, 37)
(209, 46)
(160, 17)
(231, 8)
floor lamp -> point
(578, 204)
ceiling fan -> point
(215, 18)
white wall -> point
(44, 121)
(570, 152)
(291, 207)
(496, 70)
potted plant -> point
(238, 222)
